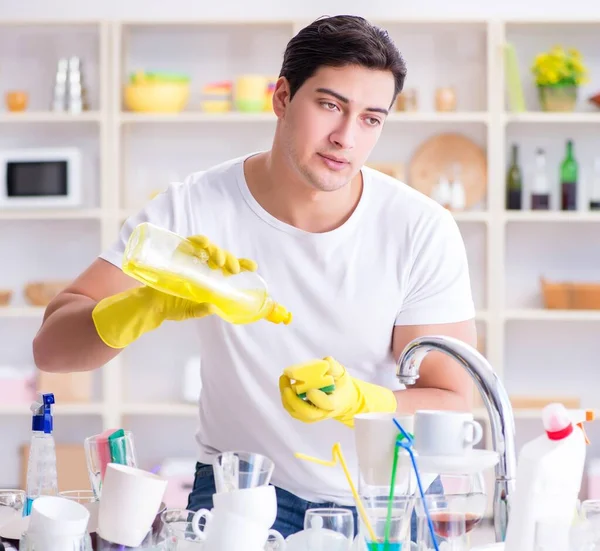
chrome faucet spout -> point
(495, 400)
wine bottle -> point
(595, 191)
(540, 193)
(568, 179)
(514, 182)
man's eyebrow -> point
(344, 99)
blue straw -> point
(407, 445)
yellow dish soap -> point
(172, 264)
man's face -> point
(333, 122)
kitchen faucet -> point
(496, 402)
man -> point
(364, 263)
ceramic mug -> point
(445, 433)
(257, 504)
(227, 530)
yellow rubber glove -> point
(123, 318)
(350, 397)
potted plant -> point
(558, 75)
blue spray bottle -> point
(41, 469)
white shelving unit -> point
(140, 386)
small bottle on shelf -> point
(540, 192)
(595, 191)
(442, 192)
(568, 179)
(458, 195)
(514, 182)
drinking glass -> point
(177, 532)
(329, 528)
(99, 453)
(238, 470)
(455, 511)
(11, 504)
(389, 518)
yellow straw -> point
(337, 455)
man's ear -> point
(281, 96)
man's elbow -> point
(42, 357)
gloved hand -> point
(350, 397)
(122, 318)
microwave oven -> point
(40, 178)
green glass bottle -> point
(568, 179)
(514, 182)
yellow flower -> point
(558, 66)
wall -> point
(262, 9)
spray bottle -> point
(41, 469)
(549, 474)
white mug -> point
(256, 504)
(445, 433)
(375, 436)
(130, 500)
(226, 530)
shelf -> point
(21, 311)
(58, 409)
(201, 117)
(591, 117)
(195, 117)
(172, 409)
(541, 314)
(51, 214)
(50, 116)
(552, 216)
(434, 116)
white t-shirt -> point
(398, 260)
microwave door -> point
(38, 182)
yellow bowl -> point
(157, 97)
(216, 106)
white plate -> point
(473, 462)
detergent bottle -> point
(172, 264)
(549, 474)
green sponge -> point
(326, 389)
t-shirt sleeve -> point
(438, 285)
(167, 210)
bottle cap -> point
(279, 314)
(42, 414)
(556, 421)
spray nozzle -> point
(42, 413)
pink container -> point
(17, 390)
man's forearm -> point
(413, 399)
(68, 340)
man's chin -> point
(328, 182)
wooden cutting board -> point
(437, 156)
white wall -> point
(263, 9)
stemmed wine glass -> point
(456, 507)
(334, 528)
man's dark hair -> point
(339, 41)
